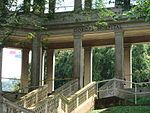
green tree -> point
(103, 63)
(141, 63)
(63, 66)
(141, 10)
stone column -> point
(52, 4)
(77, 5)
(87, 65)
(78, 58)
(50, 69)
(88, 4)
(43, 68)
(128, 65)
(26, 6)
(25, 70)
(119, 54)
(36, 67)
(1, 98)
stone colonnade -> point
(82, 62)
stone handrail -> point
(69, 88)
(68, 105)
(34, 97)
(48, 105)
(116, 87)
(110, 88)
(10, 107)
(59, 103)
(51, 103)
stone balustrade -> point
(10, 107)
(34, 97)
(66, 99)
(68, 89)
(58, 103)
(79, 98)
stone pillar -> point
(77, 5)
(52, 4)
(87, 65)
(1, 98)
(128, 65)
(50, 69)
(88, 4)
(43, 68)
(36, 67)
(78, 58)
(27, 6)
(25, 70)
(119, 54)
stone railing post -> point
(46, 106)
(36, 97)
(87, 96)
(24, 102)
(66, 108)
(77, 100)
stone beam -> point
(100, 42)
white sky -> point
(11, 65)
(67, 5)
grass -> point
(141, 100)
(124, 109)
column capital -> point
(78, 35)
(119, 31)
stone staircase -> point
(66, 99)
(11, 107)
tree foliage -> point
(141, 62)
(63, 66)
(141, 10)
(104, 63)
